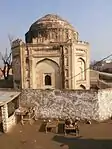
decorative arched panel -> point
(81, 69)
(47, 74)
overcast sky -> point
(91, 18)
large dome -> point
(50, 22)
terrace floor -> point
(94, 136)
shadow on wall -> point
(80, 143)
(6, 83)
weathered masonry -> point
(86, 104)
(9, 102)
(51, 57)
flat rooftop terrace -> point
(7, 96)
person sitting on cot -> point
(68, 122)
(75, 124)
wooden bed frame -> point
(53, 124)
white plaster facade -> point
(52, 57)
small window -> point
(47, 80)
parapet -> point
(17, 42)
(83, 42)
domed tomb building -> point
(52, 57)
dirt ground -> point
(94, 136)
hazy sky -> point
(91, 18)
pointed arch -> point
(48, 60)
(81, 68)
(47, 74)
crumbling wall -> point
(62, 104)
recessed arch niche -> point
(47, 74)
(81, 64)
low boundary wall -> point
(85, 104)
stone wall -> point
(61, 104)
(8, 122)
(11, 122)
(4, 117)
(105, 103)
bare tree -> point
(7, 61)
(7, 64)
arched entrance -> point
(47, 74)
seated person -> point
(75, 122)
(68, 123)
(72, 124)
